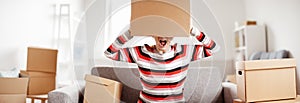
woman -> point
(162, 67)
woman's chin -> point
(163, 49)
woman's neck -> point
(157, 50)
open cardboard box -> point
(41, 70)
(265, 80)
(13, 90)
(101, 90)
(167, 18)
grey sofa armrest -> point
(230, 92)
(68, 94)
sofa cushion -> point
(280, 54)
(230, 92)
(67, 94)
(264, 55)
(255, 56)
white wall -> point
(282, 18)
(31, 23)
(26, 23)
(227, 12)
(86, 35)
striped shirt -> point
(162, 75)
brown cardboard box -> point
(101, 90)
(40, 82)
(41, 60)
(250, 22)
(264, 80)
(13, 90)
(167, 18)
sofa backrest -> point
(202, 85)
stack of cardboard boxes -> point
(39, 78)
(41, 70)
(266, 80)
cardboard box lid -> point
(41, 59)
(100, 80)
(167, 18)
(265, 64)
(13, 85)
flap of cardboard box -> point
(40, 85)
(13, 85)
(168, 18)
(266, 64)
(37, 74)
(41, 59)
(100, 80)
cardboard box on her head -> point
(166, 18)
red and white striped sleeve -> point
(116, 52)
(208, 48)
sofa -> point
(201, 86)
